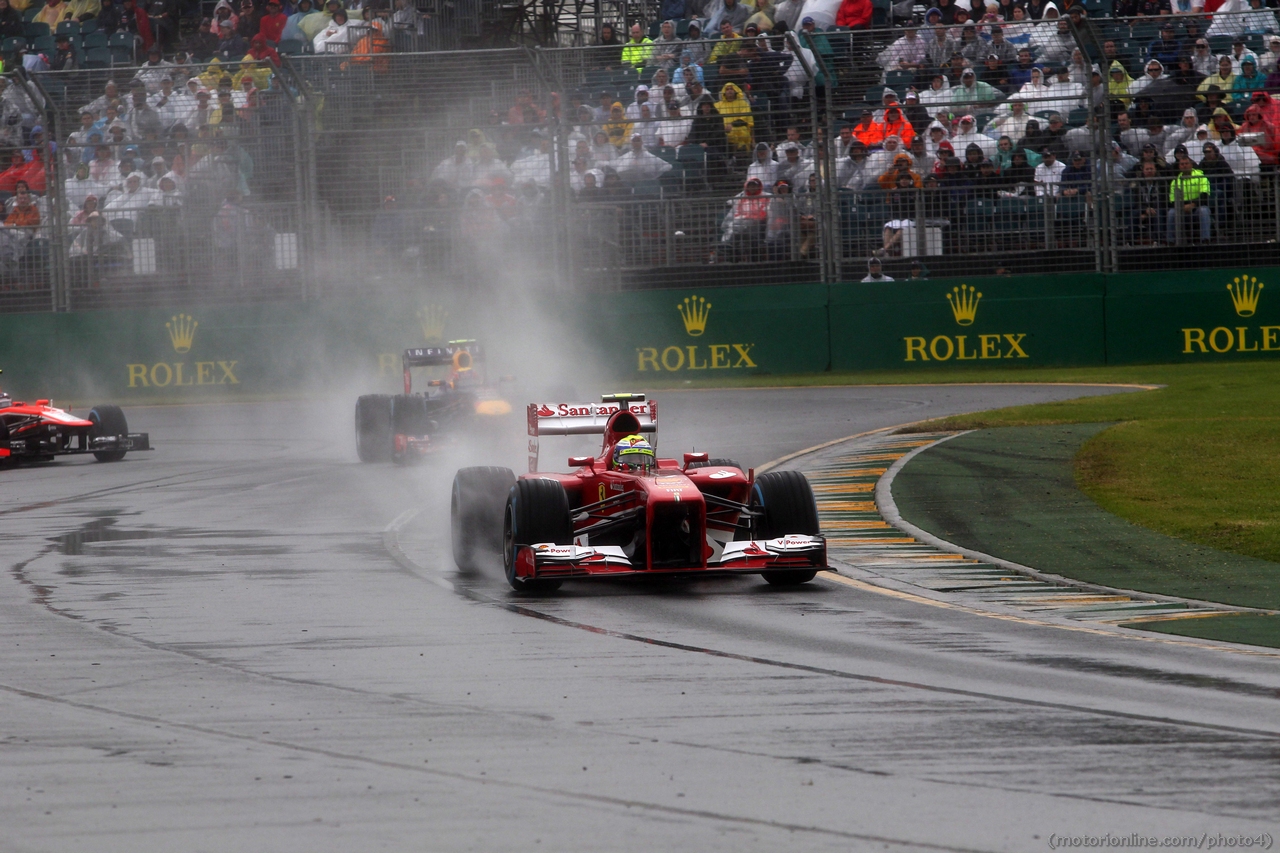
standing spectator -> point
(1049, 173)
(1188, 195)
(1148, 205)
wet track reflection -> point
(266, 645)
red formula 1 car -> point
(627, 512)
(37, 432)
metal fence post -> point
(59, 279)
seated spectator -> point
(866, 131)
(730, 42)
(1064, 95)
(11, 24)
(334, 38)
(25, 213)
(637, 164)
(602, 150)
(618, 129)
(638, 48)
(1035, 91)
(894, 124)
(852, 171)
(272, 25)
(673, 130)
(666, 47)
(96, 246)
(609, 52)
(1189, 194)
(973, 91)
(1148, 205)
(905, 54)
(939, 91)
(1224, 79)
(793, 168)
(968, 133)
(1258, 19)
(1263, 136)
(88, 206)
(746, 222)
(881, 161)
(854, 14)
(1049, 173)
(293, 29)
(1020, 73)
(781, 221)
(456, 171)
(1248, 80)
(738, 122)
(641, 98)
(892, 178)
(1077, 177)
(1244, 161)
(762, 165)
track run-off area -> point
(245, 639)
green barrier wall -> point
(718, 331)
(1195, 316)
(997, 322)
(242, 351)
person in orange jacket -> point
(895, 124)
(869, 133)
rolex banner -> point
(1205, 315)
(991, 322)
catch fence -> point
(342, 173)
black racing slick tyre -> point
(537, 511)
(107, 420)
(785, 502)
(718, 462)
(5, 458)
(373, 427)
(476, 510)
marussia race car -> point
(626, 512)
(37, 432)
(405, 427)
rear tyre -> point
(785, 502)
(5, 458)
(373, 428)
(718, 462)
(107, 420)
(476, 510)
(537, 511)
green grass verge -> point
(1198, 459)
(1248, 628)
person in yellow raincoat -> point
(617, 128)
(738, 123)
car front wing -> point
(545, 560)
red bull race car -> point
(627, 512)
(37, 432)
(406, 427)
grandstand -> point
(344, 153)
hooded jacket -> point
(738, 123)
(1119, 89)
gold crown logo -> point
(182, 332)
(694, 312)
(964, 304)
(1245, 291)
(431, 318)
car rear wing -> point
(431, 356)
(583, 419)
(461, 355)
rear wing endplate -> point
(581, 419)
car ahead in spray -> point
(406, 427)
(611, 519)
(37, 432)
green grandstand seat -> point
(94, 40)
(1078, 117)
(89, 26)
(1220, 44)
(97, 57)
(13, 45)
(292, 47)
(682, 28)
(44, 44)
(68, 28)
(32, 30)
(899, 81)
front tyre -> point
(537, 511)
(476, 508)
(785, 503)
(107, 421)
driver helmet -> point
(633, 453)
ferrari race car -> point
(627, 512)
(37, 432)
(405, 427)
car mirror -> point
(582, 462)
(690, 458)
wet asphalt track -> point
(219, 646)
